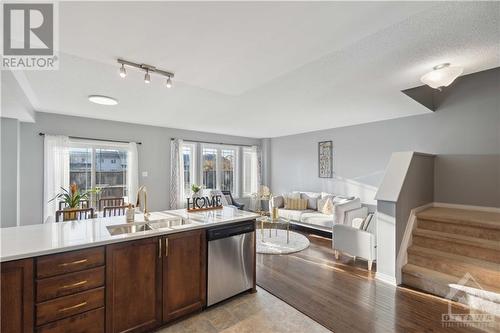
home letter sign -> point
(204, 203)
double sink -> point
(131, 228)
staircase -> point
(455, 254)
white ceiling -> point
(260, 69)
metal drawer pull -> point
(74, 284)
(73, 307)
(159, 248)
(73, 262)
(166, 247)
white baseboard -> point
(386, 278)
(471, 207)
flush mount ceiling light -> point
(102, 100)
(146, 68)
(441, 76)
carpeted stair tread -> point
(460, 239)
(483, 219)
(414, 249)
(491, 293)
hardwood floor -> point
(344, 297)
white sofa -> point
(344, 210)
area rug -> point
(276, 244)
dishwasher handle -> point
(229, 231)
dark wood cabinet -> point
(184, 273)
(133, 286)
(17, 305)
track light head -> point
(123, 71)
(147, 77)
(169, 82)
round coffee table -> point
(274, 222)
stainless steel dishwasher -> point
(230, 261)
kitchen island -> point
(106, 275)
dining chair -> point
(114, 210)
(74, 214)
(110, 202)
(83, 204)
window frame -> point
(93, 146)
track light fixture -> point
(148, 69)
(123, 72)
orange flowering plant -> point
(73, 197)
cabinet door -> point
(133, 286)
(17, 296)
(184, 274)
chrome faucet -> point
(143, 203)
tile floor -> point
(259, 312)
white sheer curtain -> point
(177, 195)
(256, 177)
(55, 172)
(132, 172)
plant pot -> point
(69, 214)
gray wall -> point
(464, 132)
(9, 172)
(154, 155)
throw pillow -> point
(278, 201)
(357, 223)
(312, 199)
(325, 206)
(295, 204)
(367, 222)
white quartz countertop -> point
(41, 239)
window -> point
(228, 170)
(209, 168)
(95, 165)
(220, 167)
(250, 171)
(188, 154)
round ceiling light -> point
(441, 76)
(103, 100)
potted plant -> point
(195, 189)
(72, 199)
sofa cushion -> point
(293, 215)
(315, 218)
(312, 199)
(292, 195)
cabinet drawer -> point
(67, 262)
(67, 284)
(69, 305)
(88, 322)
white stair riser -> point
(465, 230)
(457, 248)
